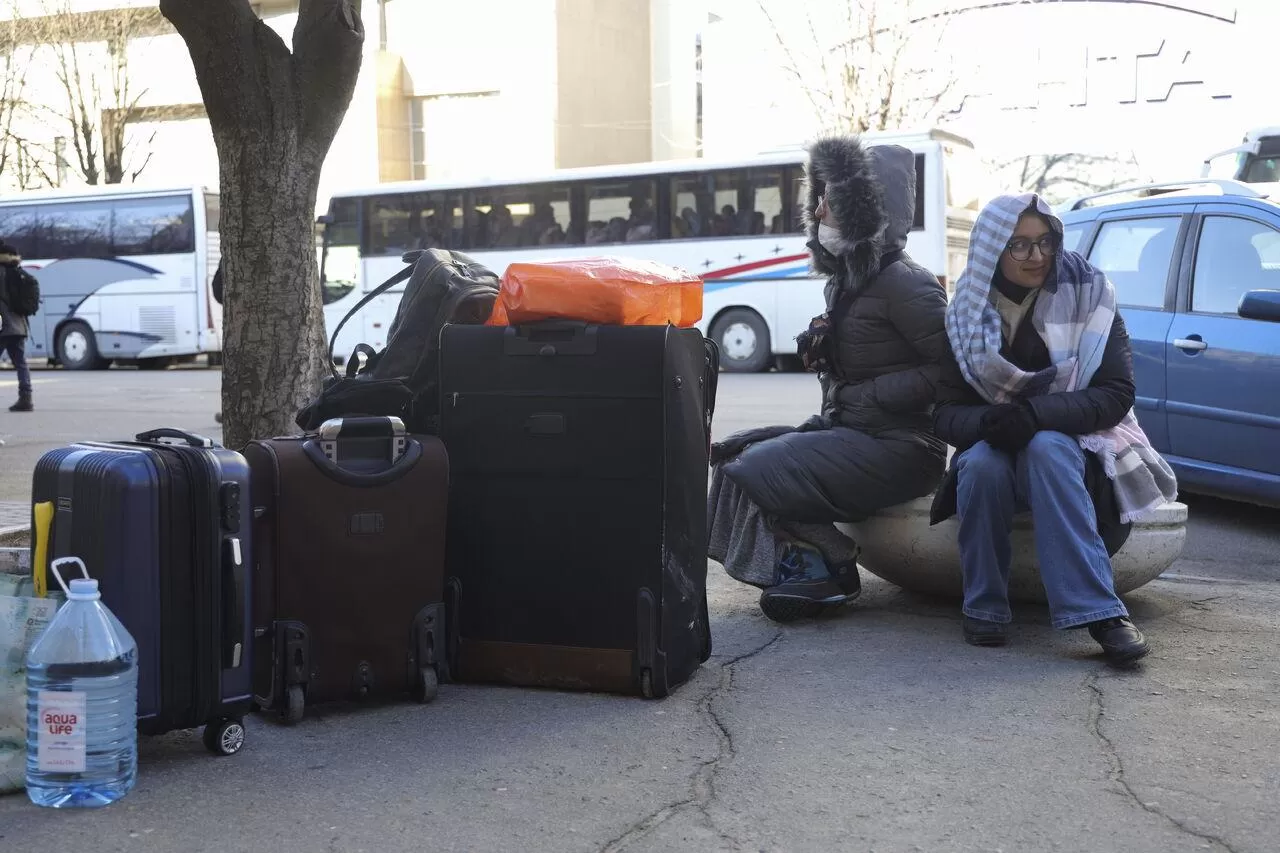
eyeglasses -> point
(1020, 247)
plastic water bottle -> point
(82, 703)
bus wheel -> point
(743, 339)
(77, 349)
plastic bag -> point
(605, 290)
(23, 618)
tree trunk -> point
(274, 115)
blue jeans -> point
(16, 347)
(1048, 478)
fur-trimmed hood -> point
(871, 191)
(8, 260)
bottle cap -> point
(83, 589)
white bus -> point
(125, 273)
(737, 224)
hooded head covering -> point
(9, 255)
(1073, 315)
(871, 191)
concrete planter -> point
(899, 546)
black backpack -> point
(403, 379)
(23, 292)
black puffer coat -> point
(873, 445)
(887, 312)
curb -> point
(13, 535)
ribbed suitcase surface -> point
(166, 530)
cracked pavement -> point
(877, 729)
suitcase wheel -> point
(294, 704)
(224, 737)
(428, 685)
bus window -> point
(212, 213)
(706, 204)
(77, 230)
(18, 226)
(921, 175)
(511, 217)
(761, 202)
(340, 265)
(799, 198)
(621, 211)
(396, 224)
(153, 226)
(966, 178)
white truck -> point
(1256, 160)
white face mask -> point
(830, 238)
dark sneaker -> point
(980, 632)
(1121, 641)
(847, 578)
(23, 405)
(804, 587)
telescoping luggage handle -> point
(389, 427)
(189, 438)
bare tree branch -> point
(793, 67)
(885, 76)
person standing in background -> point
(17, 290)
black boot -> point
(804, 587)
(1122, 643)
(980, 632)
(24, 403)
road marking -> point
(13, 383)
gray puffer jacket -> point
(887, 313)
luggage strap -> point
(369, 297)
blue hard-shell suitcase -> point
(164, 523)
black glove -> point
(813, 344)
(1009, 426)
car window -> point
(1135, 254)
(1071, 236)
(1233, 256)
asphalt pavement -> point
(874, 730)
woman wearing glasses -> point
(1038, 403)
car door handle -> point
(1194, 344)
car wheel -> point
(744, 341)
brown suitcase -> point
(349, 582)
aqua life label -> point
(60, 744)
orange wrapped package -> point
(604, 290)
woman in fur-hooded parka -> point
(777, 491)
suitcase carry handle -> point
(331, 469)
(382, 426)
(191, 439)
(550, 338)
(233, 604)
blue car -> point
(1196, 267)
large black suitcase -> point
(577, 543)
(166, 530)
